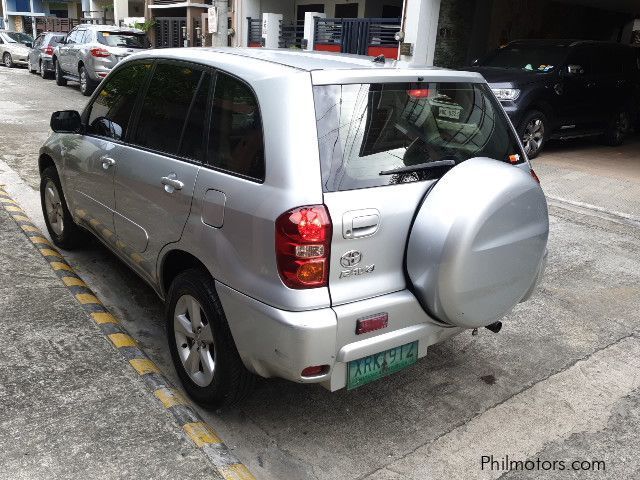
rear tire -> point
(87, 86)
(533, 132)
(618, 128)
(7, 60)
(43, 73)
(226, 381)
(60, 224)
(60, 80)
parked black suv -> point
(565, 89)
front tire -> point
(618, 128)
(60, 80)
(533, 132)
(7, 60)
(202, 347)
(60, 224)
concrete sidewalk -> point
(70, 405)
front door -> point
(91, 159)
(156, 175)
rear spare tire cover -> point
(477, 242)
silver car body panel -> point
(227, 222)
(18, 51)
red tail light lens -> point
(48, 50)
(303, 241)
(100, 52)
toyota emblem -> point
(350, 258)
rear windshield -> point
(122, 39)
(18, 37)
(366, 129)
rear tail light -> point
(303, 241)
(535, 177)
(100, 52)
(48, 50)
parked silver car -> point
(14, 48)
(89, 52)
(314, 217)
(40, 59)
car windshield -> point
(18, 37)
(122, 39)
(526, 57)
(368, 134)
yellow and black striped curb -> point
(195, 428)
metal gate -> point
(169, 31)
(254, 32)
(362, 36)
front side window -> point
(236, 138)
(367, 131)
(166, 106)
(111, 111)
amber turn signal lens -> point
(312, 272)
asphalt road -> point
(561, 382)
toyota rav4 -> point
(315, 217)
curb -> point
(201, 434)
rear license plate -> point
(378, 365)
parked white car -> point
(14, 48)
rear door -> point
(370, 137)
(578, 98)
(157, 170)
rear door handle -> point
(360, 223)
(107, 162)
(171, 183)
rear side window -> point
(166, 106)
(367, 129)
(236, 139)
(55, 39)
(111, 111)
(122, 39)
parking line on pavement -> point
(199, 432)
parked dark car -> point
(565, 89)
(41, 54)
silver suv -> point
(89, 52)
(314, 217)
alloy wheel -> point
(533, 136)
(53, 208)
(7, 60)
(194, 340)
(83, 80)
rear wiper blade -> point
(420, 166)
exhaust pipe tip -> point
(494, 327)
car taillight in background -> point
(303, 242)
(48, 50)
(100, 52)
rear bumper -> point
(278, 343)
(47, 64)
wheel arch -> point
(45, 161)
(173, 263)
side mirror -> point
(66, 121)
(575, 69)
